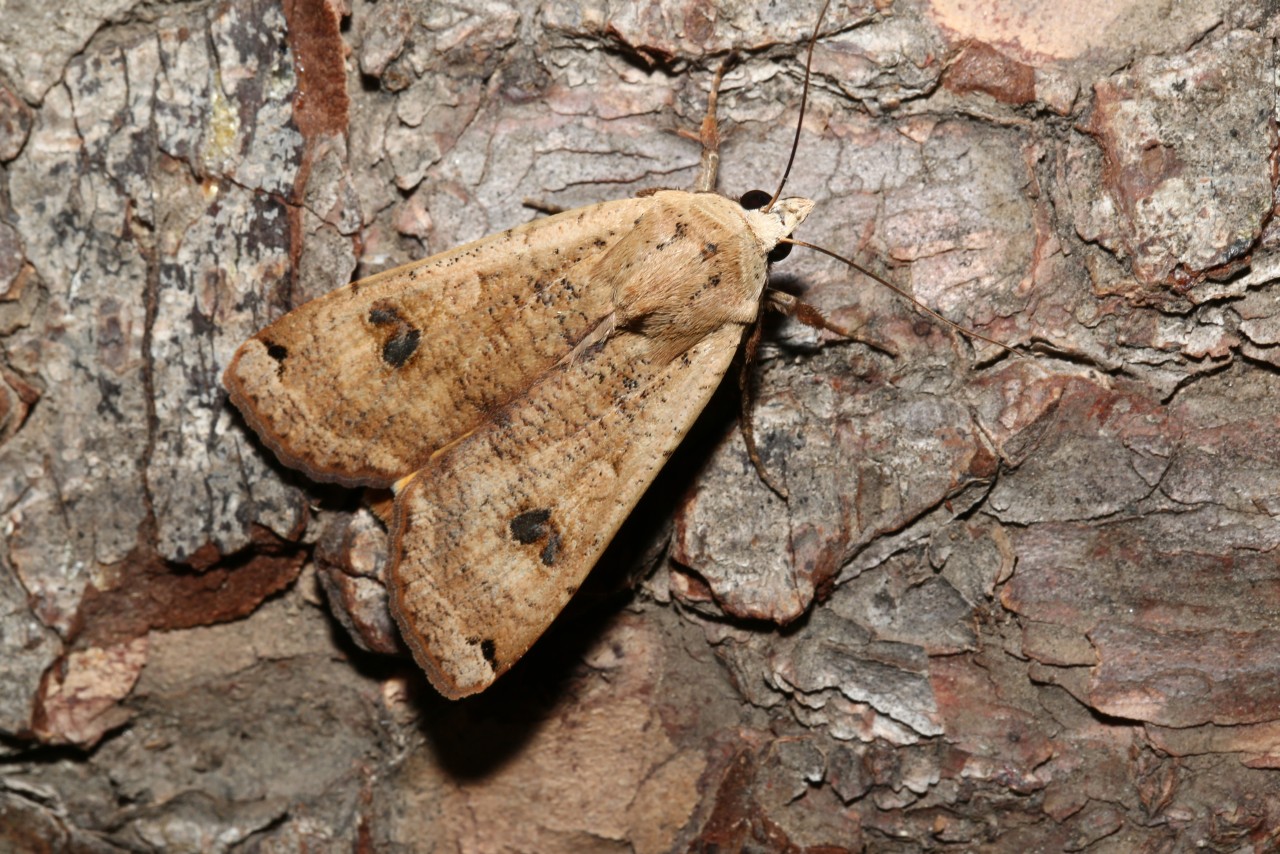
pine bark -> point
(1014, 602)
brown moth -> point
(519, 393)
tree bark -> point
(1014, 601)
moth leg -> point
(745, 424)
(784, 303)
(709, 133)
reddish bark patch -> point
(149, 593)
(982, 68)
(16, 119)
(737, 823)
(16, 400)
(321, 104)
(1184, 678)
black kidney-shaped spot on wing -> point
(382, 314)
(535, 526)
(551, 550)
(399, 337)
(530, 526)
(398, 350)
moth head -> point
(778, 222)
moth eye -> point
(754, 200)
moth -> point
(518, 394)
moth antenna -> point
(745, 424)
(969, 333)
(804, 100)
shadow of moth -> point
(519, 393)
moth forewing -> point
(363, 384)
(521, 392)
(497, 532)
(494, 537)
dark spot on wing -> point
(681, 230)
(489, 650)
(399, 337)
(400, 347)
(551, 550)
(534, 527)
(530, 526)
(277, 351)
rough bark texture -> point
(1013, 603)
